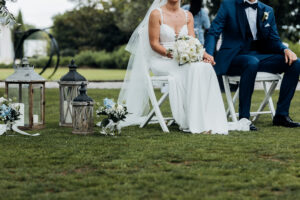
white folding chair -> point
(269, 81)
(161, 82)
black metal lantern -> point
(28, 88)
(69, 85)
(83, 111)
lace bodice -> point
(167, 33)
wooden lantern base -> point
(66, 125)
(82, 133)
(36, 127)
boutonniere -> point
(265, 17)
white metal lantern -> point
(27, 87)
(69, 85)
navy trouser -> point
(247, 66)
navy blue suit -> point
(240, 55)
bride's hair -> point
(196, 6)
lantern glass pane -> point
(25, 100)
(37, 103)
(13, 92)
(69, 93)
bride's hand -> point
(169, 54)
(208, 58)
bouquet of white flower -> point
(115, 113)
(187, 49)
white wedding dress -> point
(195, 96)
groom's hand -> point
(208, 58)
(290, 57)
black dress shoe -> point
(286, 121)
(253, 128)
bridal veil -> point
(134, 90)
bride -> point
(195, 97)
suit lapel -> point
(241, 16)
(260, 14)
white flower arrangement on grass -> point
(9, 113)
(115, 113)
(187, 49)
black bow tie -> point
(252, 5)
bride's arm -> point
(154, 33)
(190, 25)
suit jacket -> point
(231, 21)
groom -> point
(251, 44)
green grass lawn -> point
(89, 74)
(149, 164)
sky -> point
(39, 12)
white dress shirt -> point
(252, 18)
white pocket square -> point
(267, 25)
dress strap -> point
(161, 14)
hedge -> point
(117, 59)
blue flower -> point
(108, 103)
(8, 111)
(4, 110)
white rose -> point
(184, 58)
(120, 108)
(192, 49)
(2, 100)
(194, 58)
(192, 42)
(197, 42)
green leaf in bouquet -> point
(115, 119)
(104, 122)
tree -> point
(127, 13)
(87, 28)
(286, 12)
(115, 19)
(85, 3)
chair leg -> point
(229, 98)
(269, 92)
(271, 104)
(156, 110)
(152, 112)
(234, 100)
